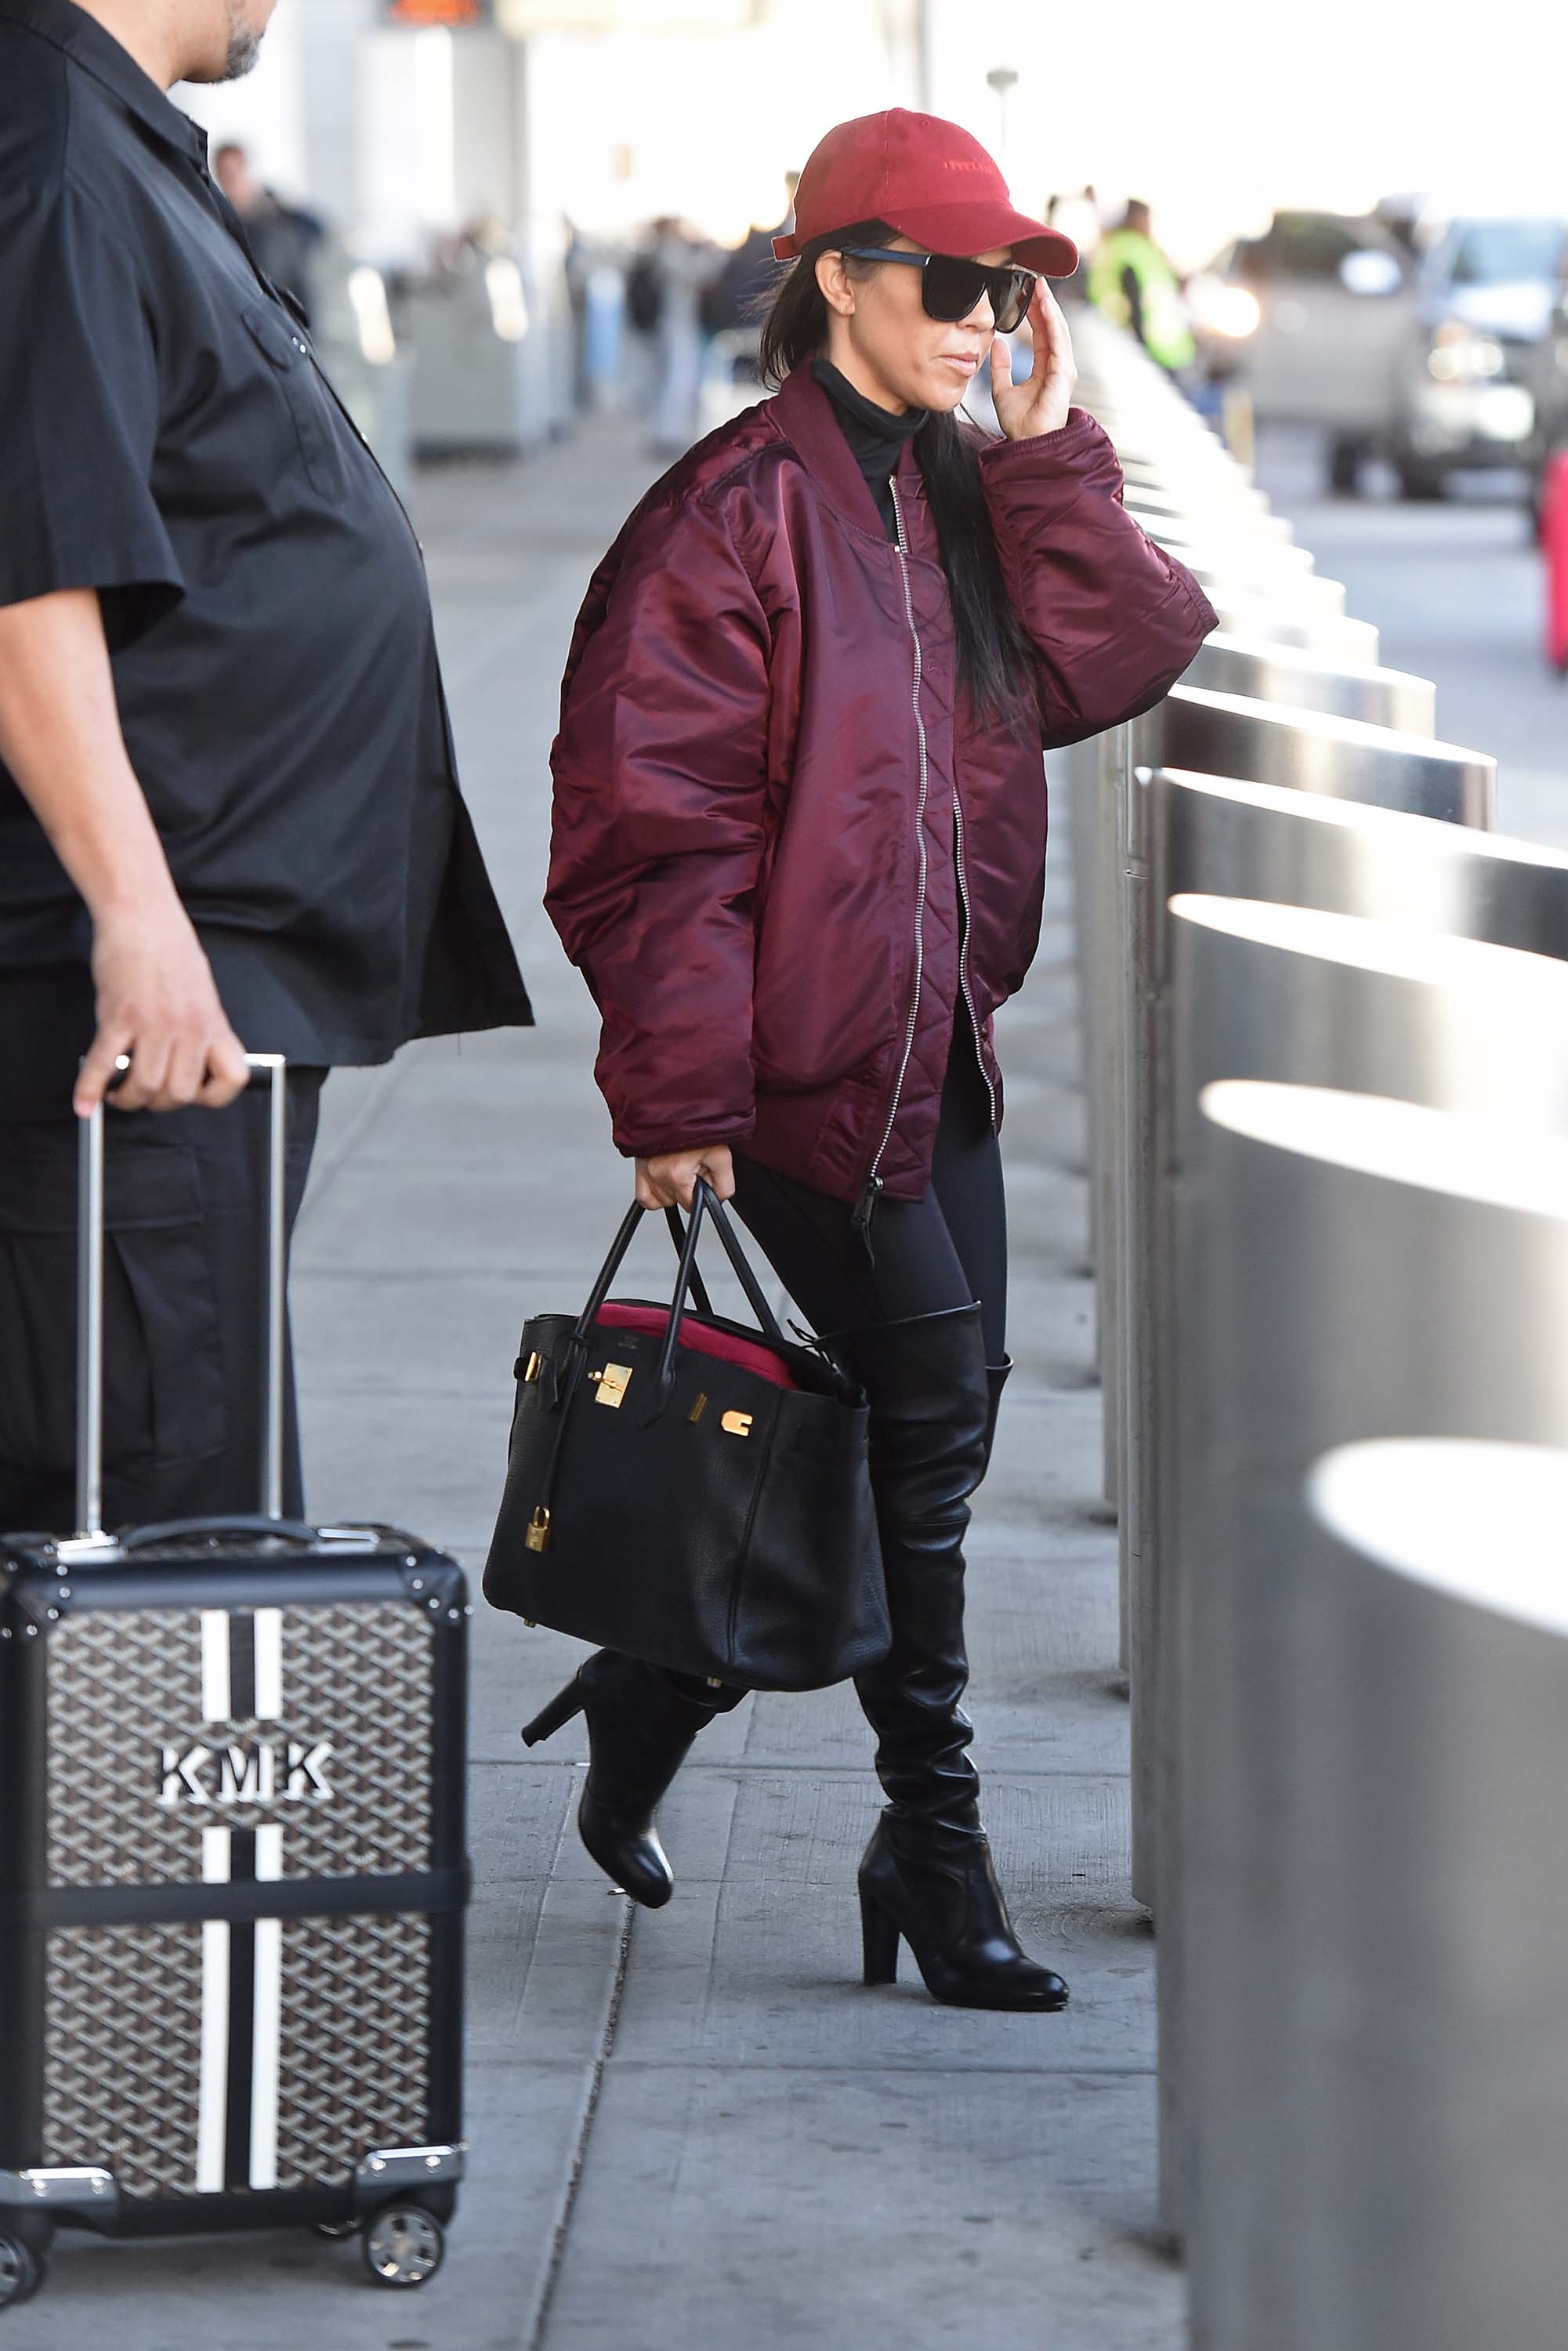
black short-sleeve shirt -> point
(167, 438)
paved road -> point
(779, 2157)
(1455, 590)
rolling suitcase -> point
(233, 1869)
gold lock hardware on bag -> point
(736, 1424)
(537, 1536)
(613, 1384)
(531, 1369)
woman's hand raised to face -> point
(1041, 404)
(670, 1181)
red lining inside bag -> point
(728, 1346)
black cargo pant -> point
(183, 1312)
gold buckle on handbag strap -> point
(736, 1424)
(613, 1382)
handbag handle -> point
(706, 1203)
(699, 1287)
(689, 1277)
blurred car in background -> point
(1468, 393)
(1313, 319)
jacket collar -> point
(807, 418)
(87, 44)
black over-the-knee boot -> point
(927, 1873)
(640, 1724)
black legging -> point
(930, 1255)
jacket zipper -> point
(873, 1184)
(963, 945)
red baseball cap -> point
(925, 178)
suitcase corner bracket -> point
(83, 2188)
(385, 2170)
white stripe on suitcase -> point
(215, 1667)
(268, 2029)
(269, 1638)
(212, 2107)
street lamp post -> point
(1002, 79)
(926, 60)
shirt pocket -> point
(289, 356)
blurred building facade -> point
(398, 127)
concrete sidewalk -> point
(695, 2130)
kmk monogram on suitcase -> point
(232, 1865)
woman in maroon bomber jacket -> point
(799, 856)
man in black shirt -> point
(228, 805)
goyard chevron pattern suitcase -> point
(232, 1874)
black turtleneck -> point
(876, 437)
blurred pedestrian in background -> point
(577, 269)
(281, 236)
(1133, 284)
(733, 303)
(1077, 218)
(738, 291)
(679, 266)
(799, 855)
(228, 805)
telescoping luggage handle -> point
(90, 1538)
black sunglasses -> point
(950, 287)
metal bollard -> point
(1367, 1754)
(1298, 849)
(1225, 735)
(1226, 576)
(1225, 665)
(1228, 550)
(1442, 1562)
(1231, 498)
(1313, 751)
(1241, 614)
(1272, 672)
(1145, 500)
(1280, 992)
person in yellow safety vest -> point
(1132, 283)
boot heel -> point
(879, 1941)
(549, 1719)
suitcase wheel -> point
(22, 2272)
(403, 2245)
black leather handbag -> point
(688, 1492)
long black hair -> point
(994, 655)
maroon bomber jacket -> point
(786, 848)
